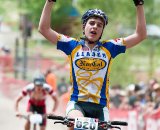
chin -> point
(92, 40)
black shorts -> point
(88, 109)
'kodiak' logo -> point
(90, 64)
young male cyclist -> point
(90, 59)
(37, 92)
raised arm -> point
(45, 22)
(140, 32)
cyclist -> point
(90, 59)
(37, 92)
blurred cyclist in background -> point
(37, 92)
(90, 58)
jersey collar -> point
(82, 42)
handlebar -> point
(33, 118)
(119, 123)
(102, 124)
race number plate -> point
(84, 123)
(36, 119)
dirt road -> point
(8, 121)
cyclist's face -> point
(93, 28)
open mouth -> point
(93, 32)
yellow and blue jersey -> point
(90, 68)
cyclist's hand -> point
(18, 114)
(51, 113)
(138, 2)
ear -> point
(83, 27)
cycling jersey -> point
(90, 68)
(29, 90)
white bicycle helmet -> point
(39, 79)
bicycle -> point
(85, 123)
(35, 119)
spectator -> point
(151, 89)
(51, 79)
(65, 97)
(116, 97)
(132, 95)
(156, 88)
(6, 61)
(124, 100)
(62, 86)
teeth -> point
(93, 32)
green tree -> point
(60, 16)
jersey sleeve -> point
(115, 46)
(66, 44)
(48, 89)
(27, 89)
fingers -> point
(18, 114)
(138, 2)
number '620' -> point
(85, 125)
